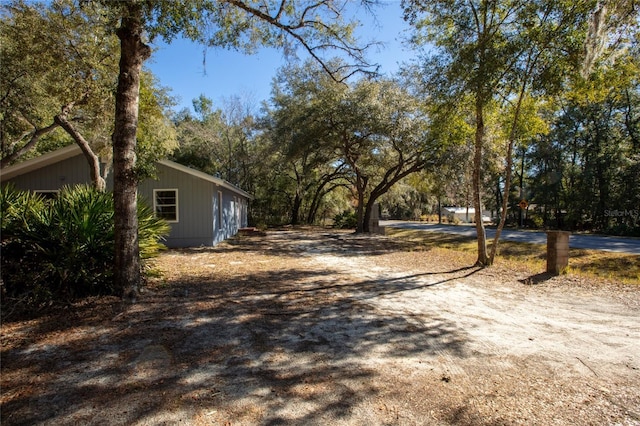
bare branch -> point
(302, 23)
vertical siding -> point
(72, 171)
(244, 213)
(231, 214)
(194, 206)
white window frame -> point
(155, 204)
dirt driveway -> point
(329, 328)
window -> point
(165, 204)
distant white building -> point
(462, 214)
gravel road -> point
(319, 327)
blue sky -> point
(179, 65)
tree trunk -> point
(366, 216)
(507, 180)
(505, 200)
(498, 198)
(361, 187)
(295, 211)
(133, 53)
(315, 203)
(483, 258)
(521, 177)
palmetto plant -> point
(64, 248)
(151, 231)
(73, 242)
(17, 208)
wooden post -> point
(557, 251)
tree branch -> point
(94, 162)
(37, 134)
(303, 23)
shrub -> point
(623, 229)
(151, 231)
(18, 209)
(63, 249)
(534, 220)
(345, 220)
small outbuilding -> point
(201, 209)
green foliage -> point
(151, 231)
(18, 209)
(62, 55)
(156, 137)
(217, 141)
(585, 174)
(63, 249)
(55, 54)
(404, 201)
(345, 220)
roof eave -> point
(205, 176)
(39, 162)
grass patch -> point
(424, 241)
(620, 267)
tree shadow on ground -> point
(337, 242)
(538, 278)
(273, 347)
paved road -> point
(593, 242)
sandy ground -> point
(318, 328)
